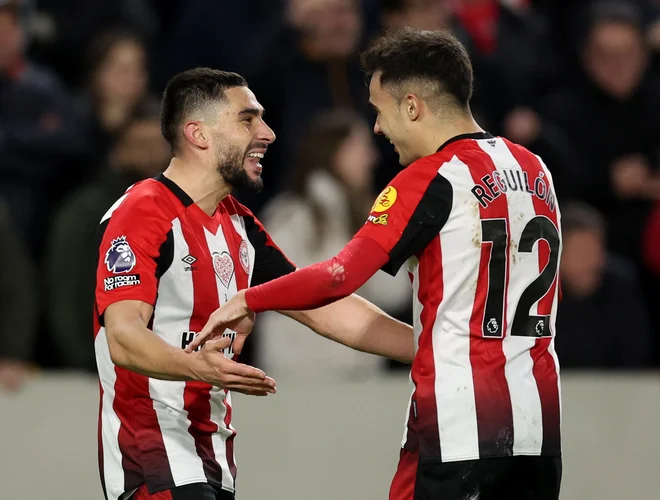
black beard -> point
(232, 170)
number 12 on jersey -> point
(495, 234)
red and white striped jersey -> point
(479, 227)
(158, 247)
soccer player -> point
(172, 249)
(475, 219)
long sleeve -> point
(323, 283)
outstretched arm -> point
(320, 284)
(352, 321)
(357, 323)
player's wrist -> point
(248, 300)
(196, 366)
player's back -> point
(485, 285)
(500, 254)
(501, 242)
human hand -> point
(522, 125)
(630, 177)
(233, 315)
(12, 374)
(212, 366)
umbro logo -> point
(492, 142)
(190, 260)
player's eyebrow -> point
(253, 112)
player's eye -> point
(248, 120)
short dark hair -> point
(432, 56)
(191, 91)
(580, 216)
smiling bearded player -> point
(172, 250)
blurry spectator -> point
(610, 120)
(140, 152)
(325, 204)
(602, 322)
(117, 89)
(18, 306)
(63, 29)
(312, 68)
(38, 130)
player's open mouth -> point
(255, 158)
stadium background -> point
(575, 81)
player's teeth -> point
(255, 155)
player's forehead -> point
(242, 99)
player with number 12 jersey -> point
(477, 226)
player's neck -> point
(204, 186)
(441, 131)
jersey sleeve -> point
(134, 244)
(409, 213)
(269, 262)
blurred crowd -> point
(577, 82)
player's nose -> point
(266, 134)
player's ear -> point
(195, 133)
(412, 107)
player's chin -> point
(404, 161)
(255, 176)
(256, 183)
